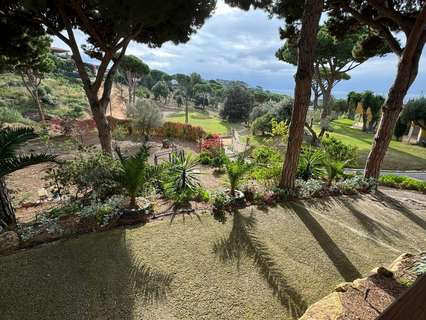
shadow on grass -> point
(341, 262)
(241, 242)
(93, 277)
(400, 207)
(371, 226)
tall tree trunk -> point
(39, 107)
(7, 213)
(302, 92)
(326, 106)
(98, 108)
(364, 120)
(186, 112)
(407, 72)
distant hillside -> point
(60, 96)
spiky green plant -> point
(236, 169)
(11, 139)
(183, 173)
(310, 163)
(135, 173)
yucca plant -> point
(135, 173)
(182, 179)
(236, 169)
(11, 139)
(334, 169)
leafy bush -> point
(205, 158)
(181, 130)
(268, 165)
(120, 132)
(339, 151)
(90, 175)
(403, 182)
(355, 184)
(219, 159)
(310, 188)
(236, 170)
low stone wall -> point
(368, 297)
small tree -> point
(31, 58)
(145, 116)
(203, 90)
(353, 99)
(10, 161)
(161, 89)
(238, 104)
(389, 20)
(109, 26)
(133, 70)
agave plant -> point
(135, 173)
(310, 163)
(182, 175)
(11, 161)
(334, 170)
(236, 170)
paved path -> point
(421, 175)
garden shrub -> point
(205, 158)
(90, 175)
(268, 165)
(356, 184)
(120, 132)
(181, 131)
(310, 188)
(403, 182)
(339, 151)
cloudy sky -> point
(238, 45)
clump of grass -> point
(403, 182)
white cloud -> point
(239, 45)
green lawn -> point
(210, 123)
(400, 156)
(259, 265)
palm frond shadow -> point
(242, 242)
(152, 285)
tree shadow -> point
(373, 227)
(341, 262)
(242, 242)
(93, 277)
(400, 207)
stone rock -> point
(343, 287)
(384, 272)
(328, 308)
(9, 242)
(42, 194)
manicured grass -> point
(259, 265)
(210, 123)
(400, 156)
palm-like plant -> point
(236, 170)
(10, 161)
(310, 163)
(135, 173)
(183, 176)
(334, 169)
